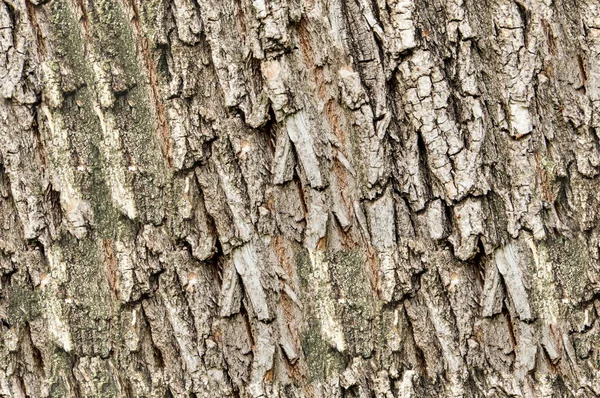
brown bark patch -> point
(40, 44)
(111, 266)
(305, 42)
(374, 278)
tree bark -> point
(287, 198)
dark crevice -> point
(583, 73)
(6, 279)
(509, 321)
(478, 259)
(52, 197)
(525, 15)
(147, 330)
(76, 385)
(128, 389)
(269, 131)
(35, 352)
(246, 316)
(420, 355)
(423, 165)
(12, 15)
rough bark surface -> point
(299, 198)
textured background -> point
(287, 198)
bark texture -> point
(299, 198)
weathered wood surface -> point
(288, 198)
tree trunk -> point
(288, 198)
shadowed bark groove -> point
(286, 198)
